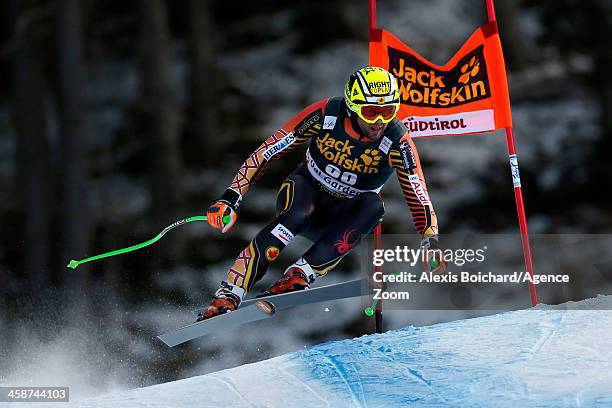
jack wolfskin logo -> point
(371, 157)
(346, 155)
(469, 70)
(425, 86)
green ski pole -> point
(74, 263)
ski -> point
(357, 287)
(250, 312)
(231, 319)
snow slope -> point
(541, 357)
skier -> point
(332, 197)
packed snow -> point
(547, 356)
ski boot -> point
(298, 276)
(225, 300)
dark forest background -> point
(118, 118)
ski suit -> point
(332, 197)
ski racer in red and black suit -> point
(332, 197)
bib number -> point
(346, 177)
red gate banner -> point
(467, 95)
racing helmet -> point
(372, 93)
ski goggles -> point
(372, 113)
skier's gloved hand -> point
(433, 260)
(222, 212)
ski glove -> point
(225, 206)
(433, 261)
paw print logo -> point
(371, 157)
(469, 70)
